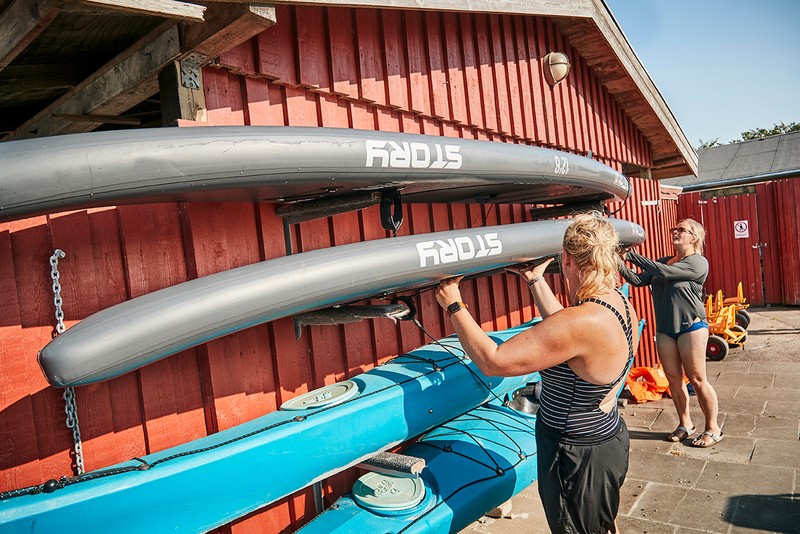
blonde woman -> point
(681, 327)
(583, 352)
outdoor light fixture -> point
(556, 67)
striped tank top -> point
(570, 406)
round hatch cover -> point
(324, 396)
(387, 494)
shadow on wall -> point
(772, 513)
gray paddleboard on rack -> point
(285, 164)
(134, 333)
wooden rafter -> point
(160, 8)
(22, 22)
(132, 77)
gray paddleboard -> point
(134, 333)
(285, 164)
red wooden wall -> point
(773, 216)
(460, 75)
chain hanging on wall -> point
(70, 405)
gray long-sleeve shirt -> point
(677, 288)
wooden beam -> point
(122, 83)
(132, 77)
(102, 119)
(227, 26)
(160, 8)
(22, 22)
(560, 8)
(179, 102)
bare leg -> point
(671, 360)
(692, 348)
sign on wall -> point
(741, 229)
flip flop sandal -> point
(680, 434)
(714, 439)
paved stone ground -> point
(749, 482)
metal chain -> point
(70, 405)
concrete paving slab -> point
(726, 366)
(776, 408)
(658, 502)
(768, 394)
(787, 380)
(735, 450)
(733, 479)
(726, 394)
(759, 426)
(702, 510)
(749, 405)
(634, 524)
(676, 470)
(746, 379)
(777, 452)
(757, 513)
(792, 368)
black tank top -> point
(570, 406)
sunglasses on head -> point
(681, 230)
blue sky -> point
(723, 66)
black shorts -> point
(579, 484)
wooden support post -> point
(177, 100)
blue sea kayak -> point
(475, 462)
(214, 480)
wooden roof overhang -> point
(52, 91)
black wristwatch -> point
(454, 307)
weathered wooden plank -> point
(312, 49)
(523, 64)
(241, 59)
(333, 112)
(301, 107)
(277, 50)
(128, 79)
(471, 75)
(486, 72)
(440, 102)
(456, 81)
(506, 41)
(170, 394)
(537, 80)
(550, 108)
(158, 8)
(226, 26)
(20, 23)
(419, 73)
(371, 63)
(344, 68)
(396, 60)
(499, 66)
(223, 96)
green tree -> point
(777, 129)
(756, 133)
(709, 143)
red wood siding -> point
(773, 217)
(461, 75)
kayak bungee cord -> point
(496, 469)
(436, 366)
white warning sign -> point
(741, 229)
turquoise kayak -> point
(475, 463)
(214, 480)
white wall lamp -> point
(556, 67)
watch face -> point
(454, 307)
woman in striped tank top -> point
(583, 352)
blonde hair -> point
(593, 242)
(699, 233)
